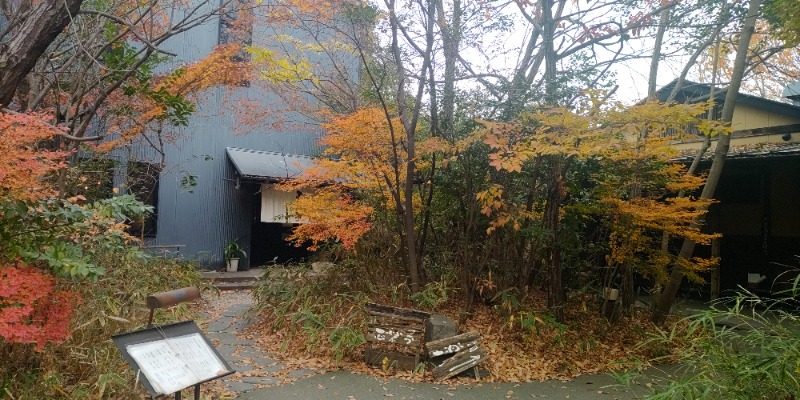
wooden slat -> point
(453, 344)
(396, 312)
(390, 334)
(462, 361)
(377, 321)
(392, 359)
(770, 130)
(397, 325)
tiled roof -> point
(757, 150)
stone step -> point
(224, 280)
(232, 279)
(234, 285)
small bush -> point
(432, 296)
(88, 365)
(327, 319)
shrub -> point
(326, 318)
(745, 347)
(31, 309)
(87, 364)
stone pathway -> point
(254, 368)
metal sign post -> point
(169, 299)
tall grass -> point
(324, 313)
(88, 365)
(744, 347)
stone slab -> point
(220, 324)
(241, 386)
(236, 310)
(439, 326)
(260, 380)
(300, 373)
(233, 340)
(242, 367)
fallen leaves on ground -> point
(586, 343)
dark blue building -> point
(212, 185)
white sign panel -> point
(173, 364)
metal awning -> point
(267, 165)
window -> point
(93, 178)
(143, 180)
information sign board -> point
(172, 357)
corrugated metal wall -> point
(204, 217)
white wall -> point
(273, 205)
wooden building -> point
(758, 212)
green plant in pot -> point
(233, 252)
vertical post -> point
(715, 273)
(178, 395)
(197, 392)
(150, 318)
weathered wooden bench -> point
(466, 353)
(390, 329)
(393, 333)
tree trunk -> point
(409, 116)
(667, 297)
(662, 28)
(30, 39)
(451, 42)
(555, 292)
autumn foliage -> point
(359, 174)
(149, 106)
(23, 162)
(635, 191)
(32, 309)
(331, 215)
(45, 238)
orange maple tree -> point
(357, 171)
(150, 108)
(23, 163)
(636, 189)
(361, 176)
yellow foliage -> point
(330, 214)
(277, 69)
(637, 185)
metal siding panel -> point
(214, 212)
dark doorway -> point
(269, 246)
(759, 217)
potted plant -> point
(233, 252)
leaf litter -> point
(586, 343)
